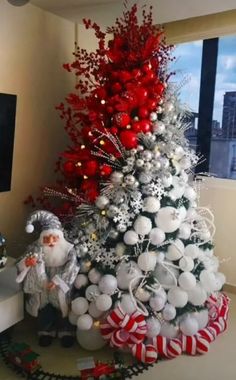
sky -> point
(188, 66)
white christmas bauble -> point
(73, 318)
(142, 294)
(167, 180)
(101, 201)
(157, 303)
(144, 178)
(166, 277)
(177, 297)
(186, 264)
(205, 235)
(168, 219)
(192, 250)
(151, 204)
(192, 214)
(108, 284)
(190, 193)
(94, 276)
(125, 272)
(184, 231)
(179, 152)
(207, 280)
(91, 340)
(92, 292)
(80, 281)
(117, 178)
(201, 317)
(175, 250)
(169, 330)
(147, 261)
(182, 213)
(160, 257)
(189, 326)
(219, 281)
(142, 225)
(85, 322)
(185, 163)
(103, 302)
(187, 280)
(120, 249)
(79, 305)
(153, 327)
(131, 237)
(127, 304)
(197, 296)
(93, 310)
(184, 176)
(158, 127)
(169, 312)
(157, 236)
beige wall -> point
(33, 46)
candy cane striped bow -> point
(123, 330)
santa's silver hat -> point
(47, 219)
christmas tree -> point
(149, 280)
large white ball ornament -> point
(192, 214)
(179, 152)
(117, 178)
(93, 310)
(182, 213)
(184, 231)
(175, 250)
(166, 277)
(73, 318)
(90, 340)
(153, 327)
(120, 249)
(92, 292)
(169, 312)
(79, 305)
(157, 303)
(145, 178)
(201, 317)
(85, 322)
(190, 193)
(102, 201)
(127, 304)
(125, 272)
(207, 280)
(186, 264)
(169, 330)
(142, 225)
(157, 236)
(131, 237)
(108, 284)
(187, 280)
(167, 180)
(103, 302)
(147, 261)
(192, 250)
(80, 281)
(94, 276)
(168, 219)
(151, 204)
(197, 296)
(189, 326)
(177, 297)
(142, 294)
(219, 281)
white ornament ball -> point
(157, 303)
(166, 277)
(186, 264)
(207, 280)
(90, 340)
(197, 296)
(184, 231)
(192, 250)
(103, 302)
(202, 318)
(120, 249)
(93, 310)
(175, 250)
(147, 261)
(182, 213)
(168, 219)
(127, 304)
(85, 322)
(219, 281)
(80, 281)
(92, 292)
(108, 284)
(160, 257)
(157, 236)
(153, 327)
(73, 318)
(127, 272)
(190, 193)
(151, 204)
(79, 305)
(153, 116)
(144, 178)
(189, 326)
(169, 312)
(142, 294)
(117, 178)
(187, 280)
(94, 276)
(142, 225)
(169, 330)
(102, 201)
(131, 237)
(167, 180)
(179, 152)
(192, 214)
(177, 297)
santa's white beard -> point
(57, 255)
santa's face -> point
(50, 239)
(54, 247)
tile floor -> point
(218, 364)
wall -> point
(33, 46)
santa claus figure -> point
(48, 271)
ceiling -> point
(105, 11)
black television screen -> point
(7, 131)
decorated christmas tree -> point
(149, 280)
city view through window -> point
(222, 150)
